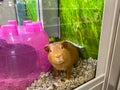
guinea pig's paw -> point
(55, 72)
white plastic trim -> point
(37, 9)
(118, 86)
(96, 86)
(40, 11)
(115, 63)
(91, 84)
(107, 37)
(112, 40)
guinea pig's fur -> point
(62, 55)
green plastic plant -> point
(31, 9)
(81, 23)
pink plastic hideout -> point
(22, 55)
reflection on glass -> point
(17, 10)
(26, 10)
(7, 11)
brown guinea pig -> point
(62, 55)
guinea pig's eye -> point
(50, 50)
(61, 47)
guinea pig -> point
(62, 55)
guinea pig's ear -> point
(47, 48)
(65, 44)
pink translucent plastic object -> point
(37, 26)
(12, 22)
(0, 32)
(22, 28)
(26, 21)
(44, 40)
(22, 59)
(38, 38)
(29, 28)
(10, 33)
(18, 66)
(9, 30)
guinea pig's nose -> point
(58, 56)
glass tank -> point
(28, 26)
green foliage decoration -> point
(31, 9)
(81, 22)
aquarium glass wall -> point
(80, 22)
